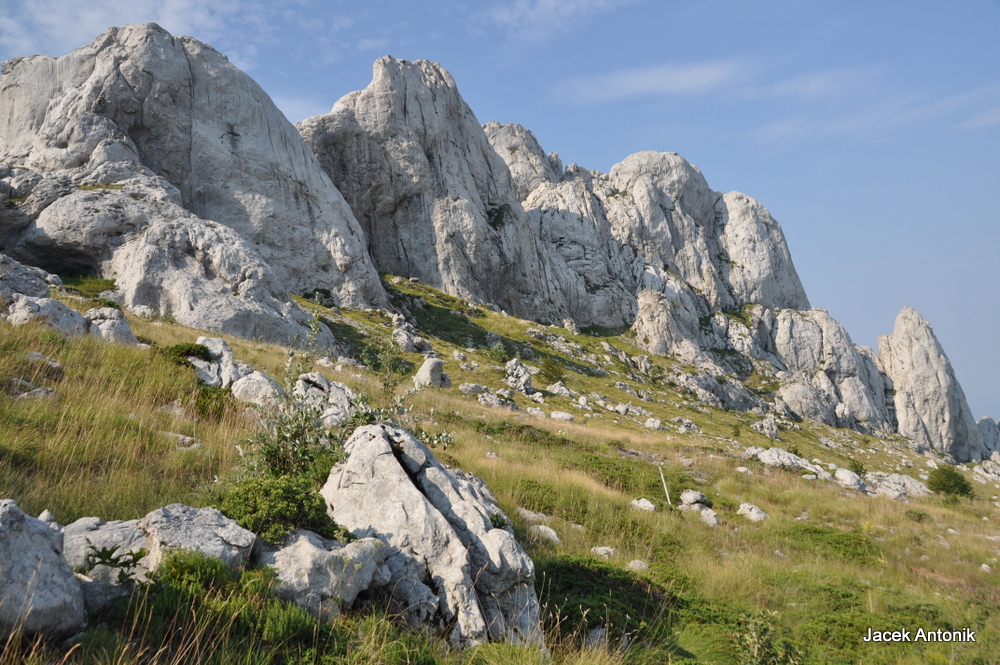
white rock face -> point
(440, 525)
(53, 313)
(518, 377)
(435, 201)
(257, 388)
(529, 165)
(38, 591)
(324, 576)
(204, 530)
(223, 369)
(15, 277)
(643, 504)
(144, 131)
(752, 512)
(109, 324)
(431, 373)
(334, 400)
(930, 404)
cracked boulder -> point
(454, 561)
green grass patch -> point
(86, 286)
(833, 543)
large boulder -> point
(324, 576)
(15, 277)
(455, 562)
(930, 403)
(431, 373)
(223, 370)
(24, 309)
(109, 323)
(205, 530)
(38, 592)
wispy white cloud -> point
(56, 27)
(531, 20)
(989, 118)
(680, 79)
(826, 85)
(372, 44)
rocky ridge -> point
(209, 207)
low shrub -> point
(271, 507)
(179, 353)
(949, 481)
(210, 401)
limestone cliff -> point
(143, 139)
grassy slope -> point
(847, 562)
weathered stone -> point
(518, 377)
(709, 517)
(109, 324)
(692, 497)
(257, 388)
(603, 552)
(50, 312)
(850, 480)
(546, 533)
(752, 512)
(334, 400)
(930, 404)
(204, 530)
(431, 374)
(486, 399)
(93, 532)
(324, 576)
(38, 592)
(637, 566)
(561, 415)
(768, 426)
(450, 564)
(894, 485)
(643, 504)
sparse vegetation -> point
(713, 596)
(949, 481)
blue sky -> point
(871, 130)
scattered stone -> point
(603, 552)
(542, 532)
(257, 388)
(637, 566)
(53, 313)
(850, 480)
(653, 423)
(768, 426)
(431, 374)
(894, 485)
(492, 455)
(570, 325)
(52, 369)
(559, 388)
(205, 530)
(643, 504)
(687, 461)
(709, 517)
(532, 517)
(518, 377)
(752, 512)
(561, 415)
(472, 389)
(537, 412)
(223, 369)
(985, 568)
(743, 469)
(334, 400)
(109, 324)
(486, 399)
(459, 356)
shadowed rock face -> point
(930, 404)
(141, 130)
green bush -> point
(949, 481)
(499, 353)
(857, 467)
(917, 516)
(294, 443)
(271, 507)
(107, 302)
(553, 370)
(179, 353)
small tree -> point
(949, 481)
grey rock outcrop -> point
(223, 369)
(38, 592)
(15, 277)
(894, 485)
(155, 159)
(325, 576)
(518, 377)
(930, 404)
(449, 564)
(87, 532)
(204, 530)
(434, 199)
(752, 512)
(52, 313)
(109, 324)
(850, 480)
(334, 400)
(989, 432)
(257, 388)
